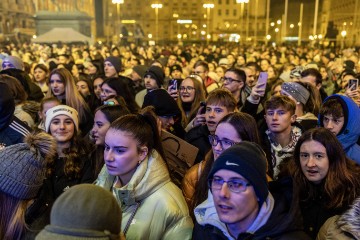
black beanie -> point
(115, 61)
(175, 67)
(163, 103)
(248, 160)
(156, 73)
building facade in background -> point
(16, 19)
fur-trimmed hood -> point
(350, 221)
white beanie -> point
(61, 110)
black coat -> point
(199, 137)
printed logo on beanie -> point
(63, 109)
(231, 164)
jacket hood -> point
(350, 132)
(206, 214)
(7, 106)
(350, 221)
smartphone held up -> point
(262, 81)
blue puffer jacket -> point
(350, 132)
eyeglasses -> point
(187, 88)
(235, 185)
(226, 143)
(229, 80)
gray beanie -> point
(84, 211)
(22, 166)
(140, 70)
(14, 61)
(297, 91)
(248, 160)
(115, 61)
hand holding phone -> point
(203, 105)
(353, 84)
(262, 80)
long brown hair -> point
(341, 185)
(72, 95)
(75, 156)
(199, 97)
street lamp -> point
(343, 35)
(242, 11)
(208, 6)
(156, 6)
(118, 2)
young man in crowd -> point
(153, 79)
(219, 103)
(175, 71)
(166, 110)
(282, 134)
(112, 66)
(201, 68)
(313, 76)
(245, 207)
(341, 116)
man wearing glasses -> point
(201, 68)
(248, 99)
(241, 205)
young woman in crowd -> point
(326, 182)
(70, 166)
(63, 87)
(233, 128)
(104, 116)
(116, 86)
(307, 100)
(20, 183)
(138, 177)
(41, 74)
(85, 87)
(220, 71)
(191, 93)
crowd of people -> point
(276, 128)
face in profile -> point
(101, 125)
(122, 153)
